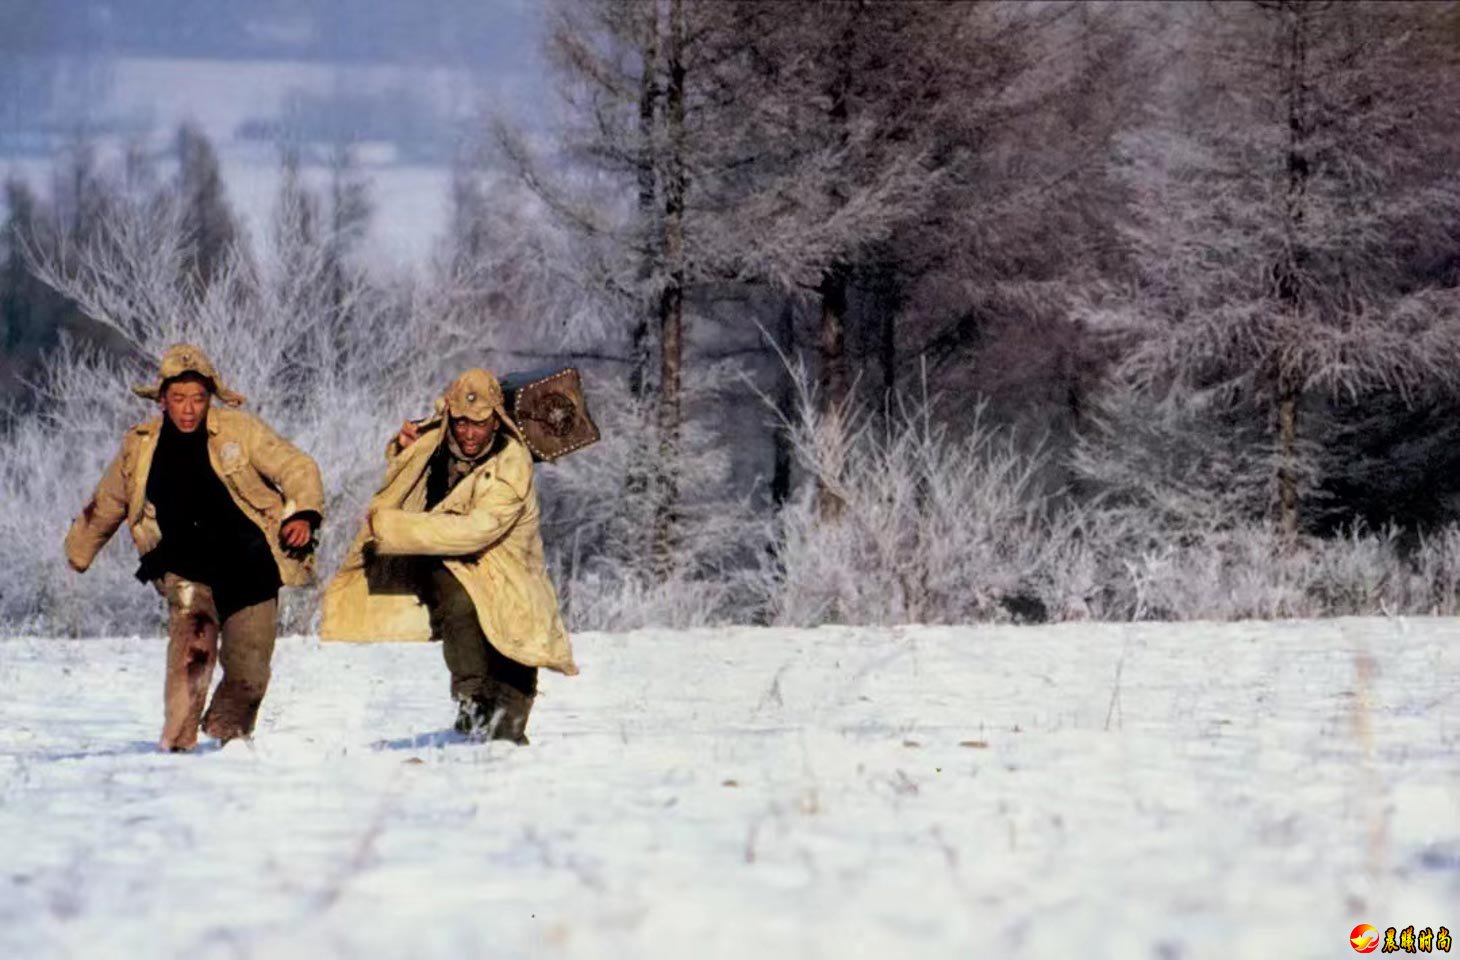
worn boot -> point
(465, 716)
(509, 720)
(473, 713)
(232, 712)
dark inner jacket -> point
(449, 466)
(206, 538)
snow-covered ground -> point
(1077, 791)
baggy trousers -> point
(495, 692)
(193, 648)
(476, 666)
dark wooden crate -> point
(551, 410)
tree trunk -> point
(1287, 478)
(1290, 274)
(887, 297)
(833, 386)
(833, 340)
(785, 407)
(889, 352)
(833, 329)
(640, 475)
(671, 302)
(639, 347)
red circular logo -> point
(1364, 938)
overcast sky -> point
(378, 30)
(403, 81)
(65, 62)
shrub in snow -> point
(931, 527)
(599, 513)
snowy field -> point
(1077, 791)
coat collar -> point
(151, 428)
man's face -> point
(472, 436)
(186, 404)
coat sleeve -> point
(493, 513)
(392, 446)
(100, 517)
(291, 470)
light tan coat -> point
(486, 531)
(268, 477)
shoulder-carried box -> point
(550, 408)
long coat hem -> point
(485, 531)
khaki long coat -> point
(486, 531)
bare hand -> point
(296, 534)
(409, 431)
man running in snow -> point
(223, 511)
(451, 549)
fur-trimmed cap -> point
(183, 358)
(476, 395)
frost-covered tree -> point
(924, 178)
(640, 145)
(1294, 207)
(350, 211)
(1024, 227)
(18, 305)
(207, 218)
(508, 278)
(841, 105)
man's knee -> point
(192, 623)
(452, 608)
(504, 669)
(188, 599)
(248, 644)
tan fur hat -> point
(183, 358)
(476, 395)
